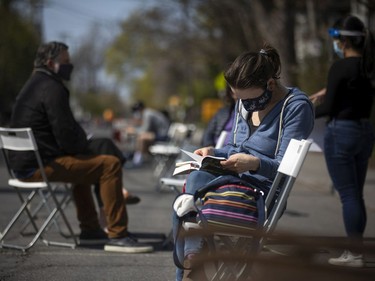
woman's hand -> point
(241, 163)
(204, 151)
(318, 97)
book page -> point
(199, 158)
(210, 163)
(196, 157)
(178, 164)
(186, 168)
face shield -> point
(336, 33)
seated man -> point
(43, 105)
(150, 126)
(258, 142)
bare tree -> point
(18, 43)
(88, 61)
(179, 47)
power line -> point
(74, 8)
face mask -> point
(258, 103)
(64, 71)
(339, 52)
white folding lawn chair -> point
(22, 139)
(166, 153)
(231, 256)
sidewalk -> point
(313, 210)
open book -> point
(207, 163)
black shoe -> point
(93, 237)
(132, 236)
(132, 199)
(127, 245)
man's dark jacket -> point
(43, 105)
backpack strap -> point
(176, 259)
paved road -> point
(313, 210)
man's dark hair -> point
(50, 50)
(138, 106)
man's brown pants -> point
(83, 171)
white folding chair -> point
(239, 266)
(287, 174)
(22, 139)
(166, 153)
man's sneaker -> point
(127, 245)
(348, 259)
(93, 237)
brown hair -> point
(254, 69)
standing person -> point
(349, 137)
(153, 126)
(222, 121)
(43, 105)
(257, 145)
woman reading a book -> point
(258, 138)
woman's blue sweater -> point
(297, 123)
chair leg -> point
(62, 213)
(18, 214)
(44, 203)
(64, 202)
(164, 167)
(169, 240)
(31, 220)
(237, 262)
(39, 235)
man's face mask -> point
(258, 103)
(64, 70)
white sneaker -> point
(348, 259)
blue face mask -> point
(258, 103)
(339, 52)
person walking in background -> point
(349, 138)
(222, 121)
(43, 105)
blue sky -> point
(69, 20)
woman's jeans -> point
(190, 244)
(348, 146)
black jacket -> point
(43, 105)
(349, 94)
